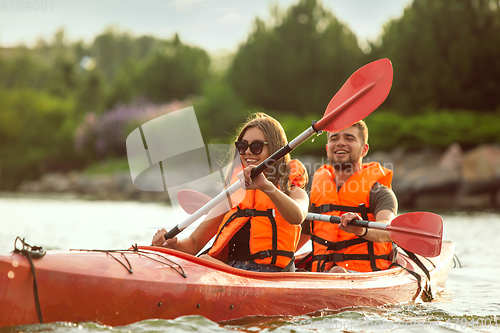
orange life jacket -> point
(273, 240)
(334, 246)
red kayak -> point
(121, 287)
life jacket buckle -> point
(265, 254)
(248, 213)
(340, 245)
(325, 209)
(338, 257)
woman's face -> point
(254, 134)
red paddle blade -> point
(418, 232)
(191, 200)
(360, 95)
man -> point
(353, 190)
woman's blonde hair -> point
(279, 173)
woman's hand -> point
(159, 240)
(259, 182)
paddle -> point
(360, 95)
(418, 232)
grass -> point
(108, 167)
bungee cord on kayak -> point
(32, 252)
(135, 250)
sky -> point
(215, 25)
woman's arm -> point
(293, 208)
(196, 241)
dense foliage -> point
(432, 128)
(65, 105)
(36, 134)
(50, 94)
(445, 55)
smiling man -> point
(353, 190)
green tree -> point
(62, 77)
(298, 62)
(113, 48)
(123, 88)
(22, 70)
(175, 71)
(90, 95)
(445, 55)
(218, 98)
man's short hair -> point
(363, 129)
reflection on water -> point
(472, 294)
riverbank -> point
(423, 180)
(116, 186)
(449, 180)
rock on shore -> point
(117, 186)
(452, 180)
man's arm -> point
(384, 205)
(374, 235)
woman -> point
(262, 231)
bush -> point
(36, 132)
(433, 128)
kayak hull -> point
(122, 287)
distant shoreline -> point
(430, 180)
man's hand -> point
(344, 224)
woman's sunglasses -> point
(255, 147)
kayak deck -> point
(123, 287)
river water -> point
(470, 303)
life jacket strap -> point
(322, 259)
(337, 246)
(274, 252)
(326, 208)
(336, 257)
(252, 213)
(265, 254)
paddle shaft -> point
(203, 210)
(375, 225)
(355, 223)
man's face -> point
(345, 149)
